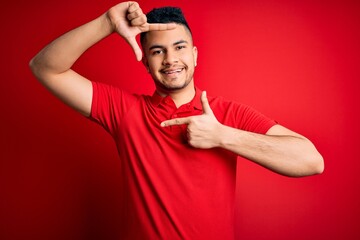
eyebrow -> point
(174, 44)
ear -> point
(195, 54)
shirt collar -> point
(156, 99)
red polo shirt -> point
(172, 190)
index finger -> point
(175, 121)
(161, 26)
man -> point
(177, 148)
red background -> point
(295, 61)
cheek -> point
(154, 65)
(188, 59)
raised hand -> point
(128, 20)
(203, 131)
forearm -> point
(61, 54)
(286, 154)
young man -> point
(178, 148)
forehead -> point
(167, 37)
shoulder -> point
(221, 103)
(109, 91)
(240, 115)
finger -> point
(161, 26)
(135, 14)
(205, 103)
(135, 46)
(133, 6)
(176, 121)
(141, 20)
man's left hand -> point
(203, 131)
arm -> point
(52, 65)
(280, 150)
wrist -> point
(108, 24)
(220, 135)
(227, 136)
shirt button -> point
(175, 116)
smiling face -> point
(170, 58)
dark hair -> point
(165, 15)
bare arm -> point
(52, 65)
(280, 150)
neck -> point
(181, 96)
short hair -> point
(165, 15)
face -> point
(170, 58)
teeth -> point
(174, 71)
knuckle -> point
(140, 20)
(133, 6)
(138, 13)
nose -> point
(170, 58)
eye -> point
(180, 47)
(157, 52)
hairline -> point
(144, 34)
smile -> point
(172, 71)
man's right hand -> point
(128, 20)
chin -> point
(174, 87)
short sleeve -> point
(240, 116)
(109, 105)
(251, 120)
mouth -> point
(172, 72)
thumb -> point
(135, 46)
(205, 103)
